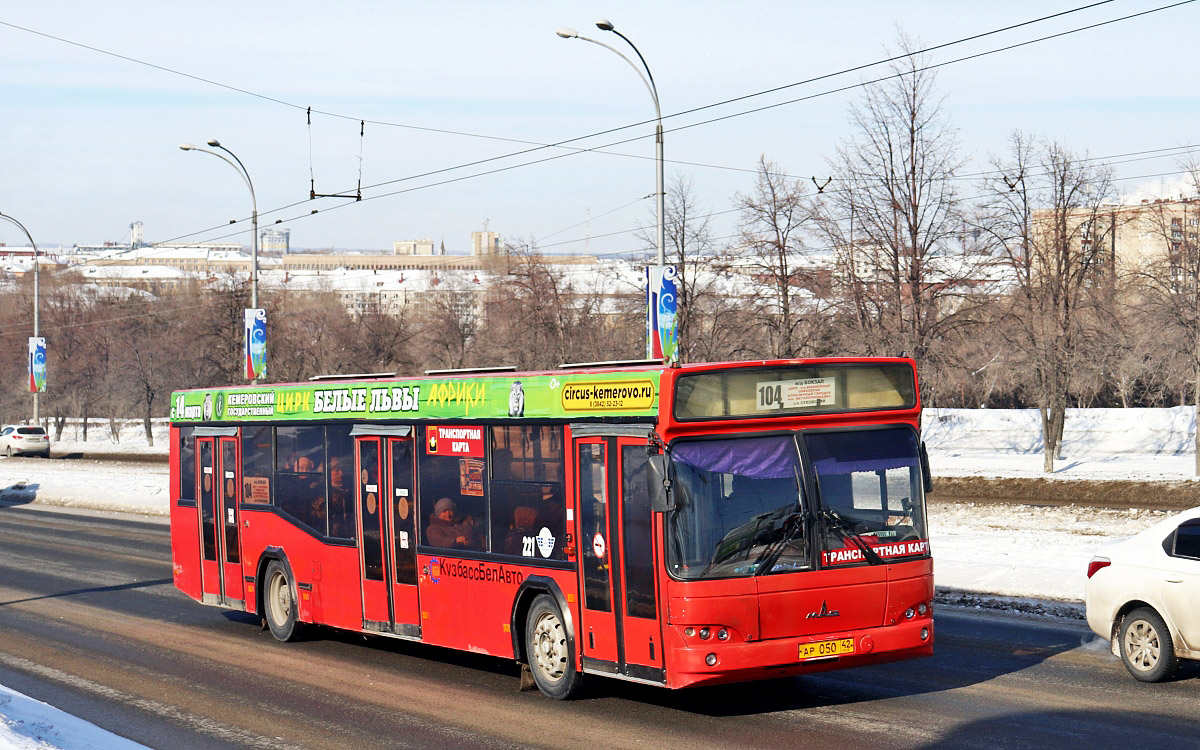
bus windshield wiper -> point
(842, 528)
(791, 523)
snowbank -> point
(27, 724)
(130, 438)
(1134, 444)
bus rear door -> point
(620, 631)
(219, 491)
(384, 498)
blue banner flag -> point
(256, 344)
(37, 364)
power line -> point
(326, 113)
(706, 122)
(541, 146)
(725, 117)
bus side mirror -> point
(661, 497)
(926, 474)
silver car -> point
(1143, 595)
(23, 439)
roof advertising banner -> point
(615, 394)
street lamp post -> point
(36, 298)
(648, 79)
(241, 170)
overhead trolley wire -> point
(611, 130)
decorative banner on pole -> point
(662, 333)
(653, 350)
(37, 364)
(256, 343)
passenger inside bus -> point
(524, 525)
(447, 529)
(341, 509)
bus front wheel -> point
(279, 602)
(548, 649)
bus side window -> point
(300, 475)
(187, 465)
(340, 475)
(256, 464)
(528, 505)
(453, 501)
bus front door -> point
(620, 631)
(219, 490)
(387, 543)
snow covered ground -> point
(27, 724)
(1017, 557)
(1110, 444)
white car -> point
(18, 439)
(1143, 594)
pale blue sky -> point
(88, 142)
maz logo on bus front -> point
(825, 612)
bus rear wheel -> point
(279, 602)
(548, 649)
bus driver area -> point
(671, 526)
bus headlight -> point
(722, 634)
(705, 633)
(711, 660)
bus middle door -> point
(402, 499)
(385, 497)
(372, 535)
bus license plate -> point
(826, 648)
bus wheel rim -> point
(549, 647)
(281, 599)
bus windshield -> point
(870, 493)
(738, 504)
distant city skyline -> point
(88, 141)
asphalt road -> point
(90, 623)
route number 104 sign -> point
(796, 394)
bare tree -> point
(775, 218)
(540, 314)
(1171, 283)
(1047, 216)
(894, 218)
(450, 323)
(691, 249)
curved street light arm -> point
(244, 171)
(245, 175)
(33, 244)
(649, 82)
(241, 170)
(638, 52)
(36, 298)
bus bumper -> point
(687, 663)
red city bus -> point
(669, 525)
